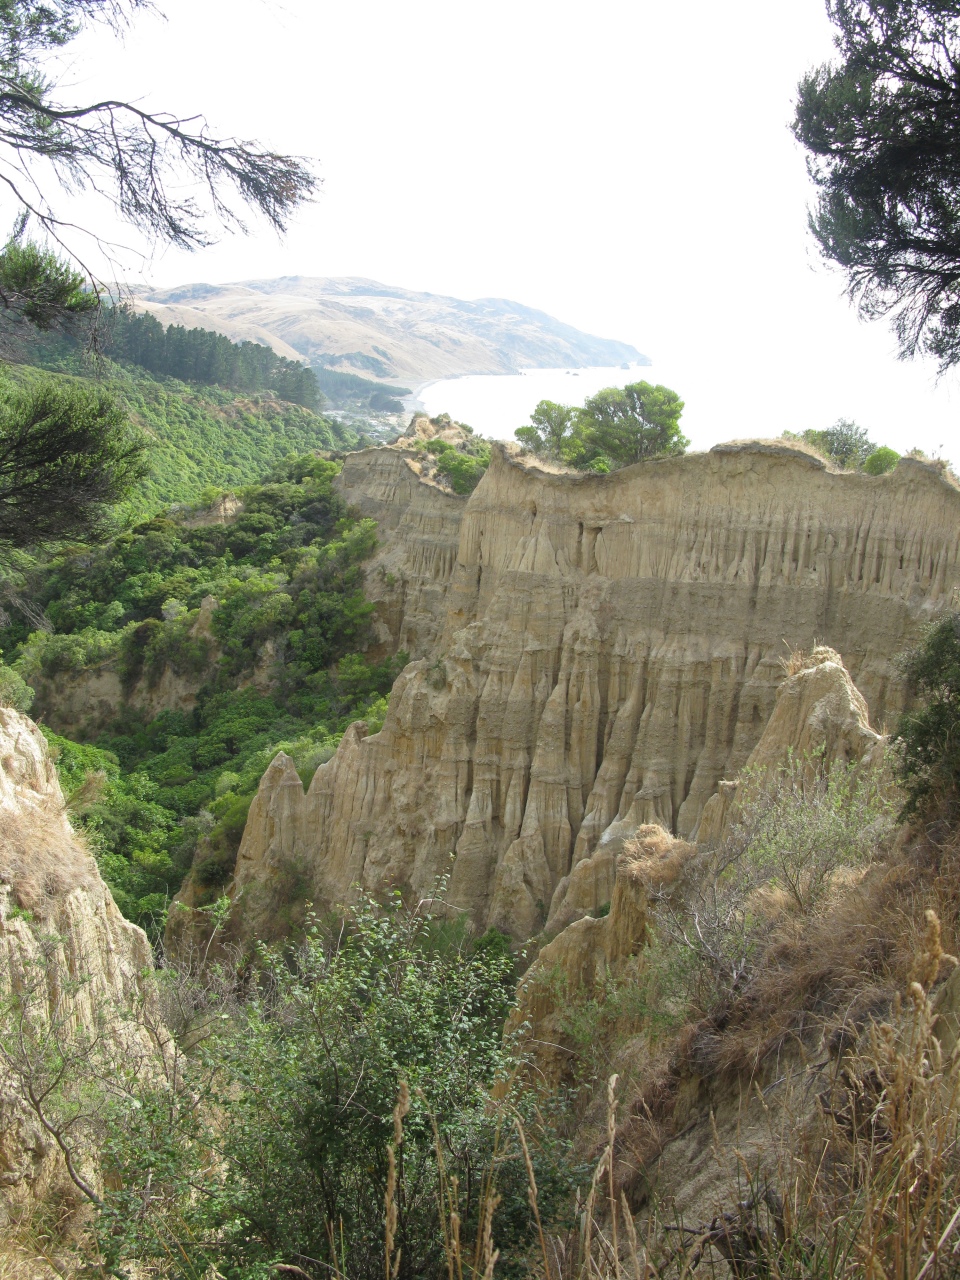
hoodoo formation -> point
(591, 654)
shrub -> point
(296, 1087)
(464, 471)
(881, 460)
(14, 690)
(784, 854)
(928, 736)
(47, 654)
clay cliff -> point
(819, 721)
(68, 962)
(419, 530)
(600, 653)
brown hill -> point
(378, 331)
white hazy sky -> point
(625, 167)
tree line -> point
(199, 355)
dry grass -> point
(798, 660)
(825, 975)
(863, 1185)
(40, 1241)
(654, 857)
(41, 858)
(869, 1203)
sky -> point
(628, 168)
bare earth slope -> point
(607, 651)
(360, 326)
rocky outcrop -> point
(587, 954)
(68, 959)
(222, 510)
(820, 719)
(609, 651)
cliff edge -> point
(602, 650)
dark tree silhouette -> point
(881, 128)
(67, 454)
(138, 159)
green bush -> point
(47, 654)
(142, 850)
(288, 571)
(14, 690)
(881, 460)
(464, 471)
(296, 1087)
(928, 735)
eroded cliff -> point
(419, 530)
(69, 964)
(608, 650)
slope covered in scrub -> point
(172, 663)
(203, 437)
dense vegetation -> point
(268, 1146)
(287, 575)
(198, 436)
(199, 355)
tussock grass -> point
(41, 858)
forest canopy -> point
(200, 355)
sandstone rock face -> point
(419, 527)
(589, 951)
(65, 950)
(819, 716)
(221, 511)
(609, 651)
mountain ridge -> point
(355, 325)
